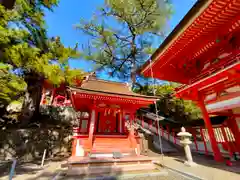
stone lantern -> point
(185, 141)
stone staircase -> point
(167, 146)
(85, 167)
(102, 161)
(110, 145)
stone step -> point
(109, 145)
(110, 154)
(135, 174)
(83, 161)
(116, 140)
(109, 169)
(102, 149)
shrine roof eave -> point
(111, 96)
(221, 80)
(197, 8)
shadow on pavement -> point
(21, 168)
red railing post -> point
(150, 124)
(156, 125)
(204, 142)
(174, 137)
(168, 132)
(193, 130)
(226, 141)
(161, 129)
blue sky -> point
(69, 12)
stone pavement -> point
(53, 170)
(32, 172)
(206, 169)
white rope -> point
(156, 110)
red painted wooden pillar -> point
(193, 130)
(131, 134)
(232, 125)
(226, 141)
(124, 123)
(204, 142)
(92, 124)
(215, 148)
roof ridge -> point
(112, 82)
(112, 93)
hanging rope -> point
(156, 111)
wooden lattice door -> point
(107, 124)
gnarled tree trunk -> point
(30, 108)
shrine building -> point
(106, 111)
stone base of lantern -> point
(190, 164)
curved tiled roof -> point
(98, 86)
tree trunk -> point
(30, 108)
(134, 66)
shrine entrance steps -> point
(109, 145)
(90, 167)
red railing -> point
(200, 137)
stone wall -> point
(53, 132)
(29, 144)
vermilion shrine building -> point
(106, 111)
(202, 53)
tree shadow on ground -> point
(210, 162)
(20, 168)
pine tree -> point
(122, 34)
(28, 56)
